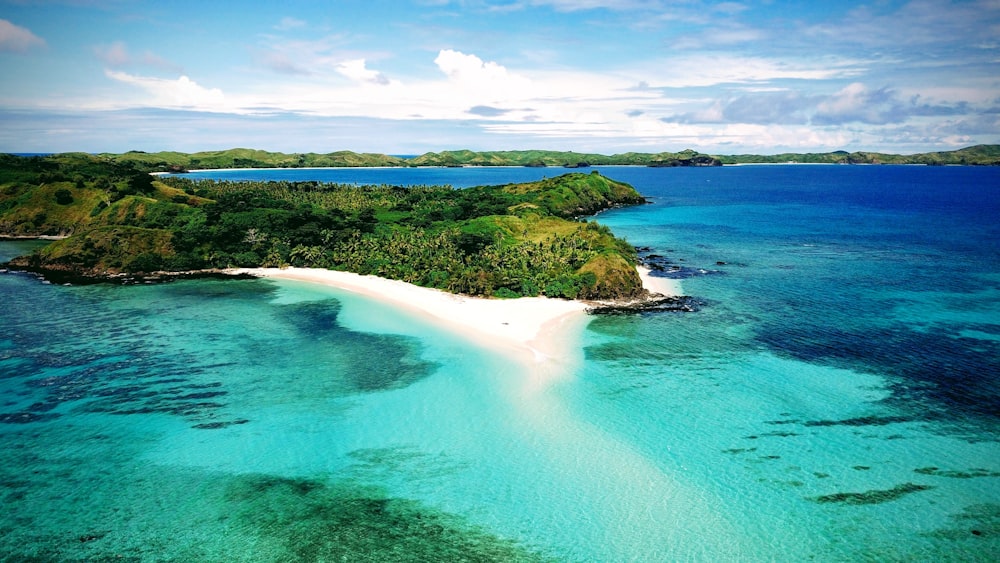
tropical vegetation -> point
(505, 241)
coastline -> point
(531, 330)
(664, 286)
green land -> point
(504, 241)
(248, 158)
(113, 217)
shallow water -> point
(835, 399)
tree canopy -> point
(505, 241)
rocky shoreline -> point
(653, 304)
(67, 276)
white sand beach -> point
(532, 327)
(665, 286)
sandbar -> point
(535, 329)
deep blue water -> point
(836, 397)
(882, 269)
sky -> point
(604, 76)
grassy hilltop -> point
(982, 155)
(507, 241)
(249, 158)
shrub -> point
(64, 196)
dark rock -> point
(680, 304)
(68, 276)
(91, 537)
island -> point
(177, 162)
(114, 220)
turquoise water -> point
(834, 399)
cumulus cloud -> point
(787, 108)
(779, 107)
(458, 65)
(482, 85)
(180, 93)
(17, 39)
(855, 103)
(858, 103)
(357, 71)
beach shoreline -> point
(664, 286)
(532, 330)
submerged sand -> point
(536, 329)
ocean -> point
(835, 397)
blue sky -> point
(603, 76)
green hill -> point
(249, 158)
(561, 159)
(505, 241)
(980, 155)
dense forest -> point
(505, 241)
(249, 158)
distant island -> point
(988, 155)
(112, 217)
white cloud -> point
(356, 70)
(17, 39)
(853, 98)
(711, 70)
(472, 82)
(672, 136)
(468, 87)
(318, 58)
(858, 103)
(576, 106)
(460, 66)
(180, 93)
